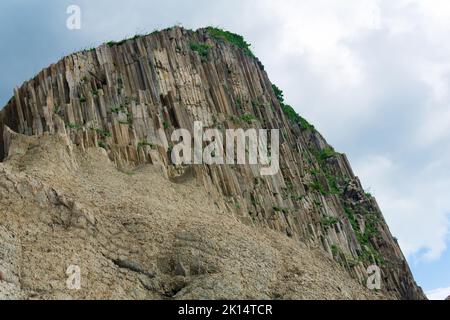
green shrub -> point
(290, 112)
(328, 222)
(317, 186)
(333, 184)
(335, 250)
(326, 153)
(369, 254)
(117, 109)
(278, 93)
(239, 103)
(254, 201)
(297, 197)
(201, 48)
(144, 143)
(74, 126)
(103, 133)
(129, 118)
(248, 118)
(235, 39)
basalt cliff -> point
(87, 185)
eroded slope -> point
(137, 235)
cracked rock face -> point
(87, 180)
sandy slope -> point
(137, 235)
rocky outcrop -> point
(134, 234)
(128, 98)
(448, 298)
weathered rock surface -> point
(136, 235)
(177, 232)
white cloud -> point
(438, 294)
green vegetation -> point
(103, 133)
(117, 109)
(371, 221)
(82, 99)
(331, 181)
(169, 150)
(101, 144)
(115, 43)
(335, 250)
(124, 122)
(74, 126)
(258, 181)
(326, 153)
(202, 49)
(235, 39)
(129, 120)
(239, 104)
(257, 104)
(328, 222)
(254, 201)
(297, 197)
(290, 112)
(333, 184)
(57, 110)
(278, 209)
(248, 118)
(317, 186)
(166, 125)
(144, 143)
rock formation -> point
(87, 180)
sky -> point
(373, 76)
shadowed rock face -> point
(448, 298)
(129, 97)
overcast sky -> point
(373, 76)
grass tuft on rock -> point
(233, 38)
